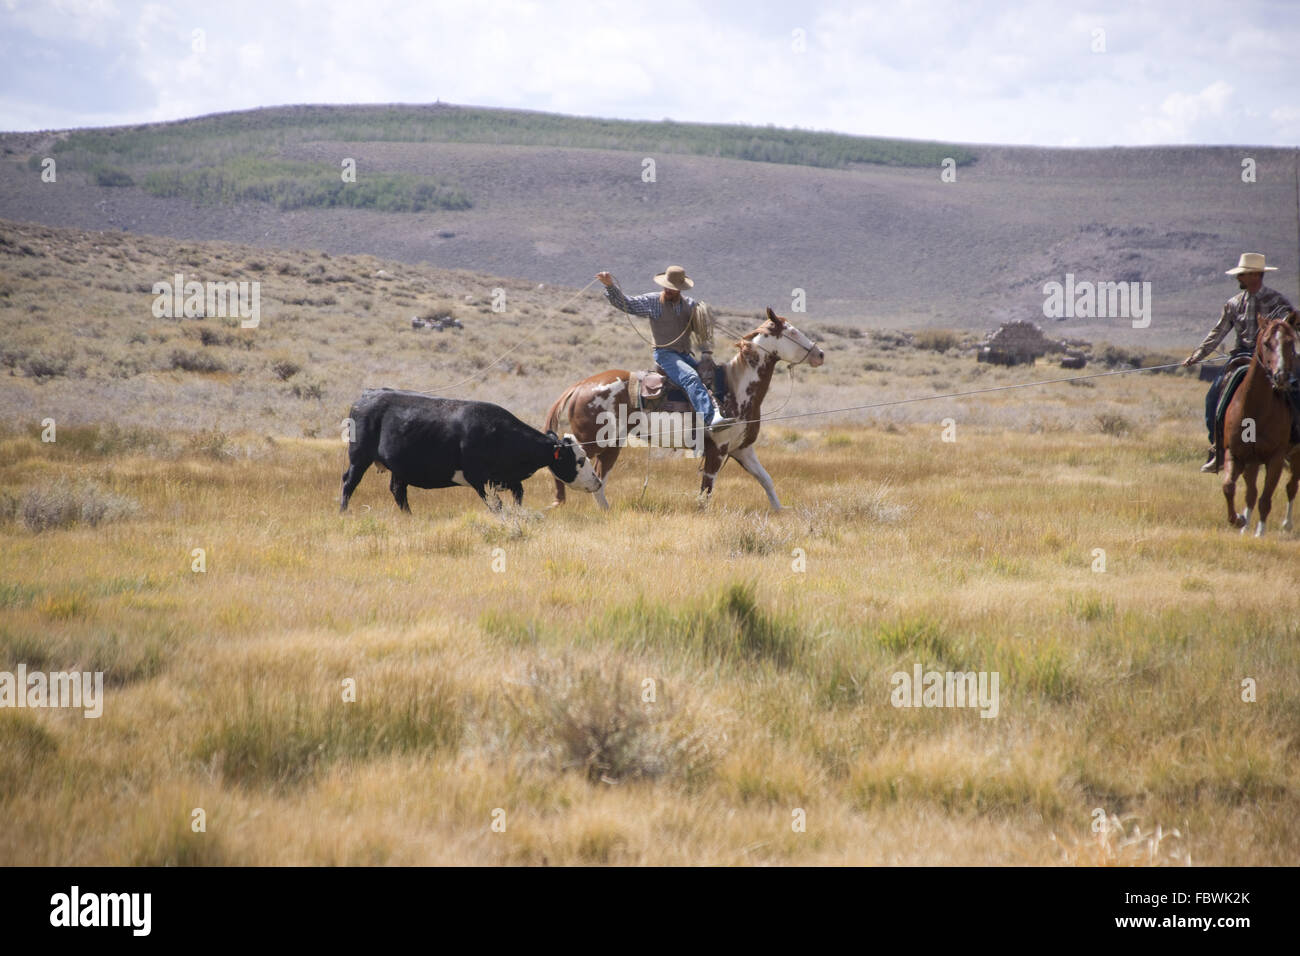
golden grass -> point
(522, 691)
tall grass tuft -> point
(64, 504)
(733, 629)
(595, 721)
(276, 736)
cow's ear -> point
(552, 436)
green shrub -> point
(106, 176)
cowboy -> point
(671, 317)
(1255, 305)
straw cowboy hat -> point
(674, 277)
(1250, 262)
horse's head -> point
(788, 343)
(1276, 351)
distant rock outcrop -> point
(1018, 343)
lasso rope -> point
(932, 398)
(825, 411)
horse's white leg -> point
(1273, 472)
(1251, 473)
(748, 459)
(1286, 522)
(599, 494)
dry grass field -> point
(501, 664)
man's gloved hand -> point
(706, 369)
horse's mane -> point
(745, 344)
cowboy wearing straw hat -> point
(672, 317)
(1245, 312)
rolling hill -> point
(865, 227)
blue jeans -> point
(1212, 405)
(681, 371)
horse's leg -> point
(748, 459)
(1292, 486)
(713, 461)
(1251, 473)
(1231, 469)
(559, 492)
(1272, 472)
(603, 465)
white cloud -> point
(969, 72)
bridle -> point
(1260, 345)
(779, 334)
(807, 352)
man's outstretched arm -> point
(1216, 335)
(637, 305)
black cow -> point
(442, 442)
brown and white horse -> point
(749, 374)
(1257, 426)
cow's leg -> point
(351, 478)
(398, 487)
(748, 459)
(1272, 472)
(516, 490)
(1231, 469)
(490, 494)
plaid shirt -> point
(1244, 314)
(650, 305)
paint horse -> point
(1257, 426)
(748, 374)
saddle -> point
(651, 390)
(1234, 373)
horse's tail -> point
(559, 412)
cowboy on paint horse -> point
(671, 317)
(1254, 306)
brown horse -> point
(591, 403)
(1257, 426)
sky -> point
(1112, 73)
